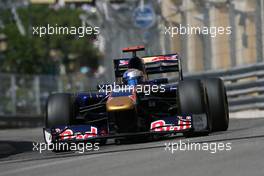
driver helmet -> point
(133, 77)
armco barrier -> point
(23, 97)
(245, 85)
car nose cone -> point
(119, 104)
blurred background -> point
(32, 67)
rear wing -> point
(153, 64)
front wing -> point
(166, 125)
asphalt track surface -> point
(246, 158)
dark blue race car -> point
(136, 105)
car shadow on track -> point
(8, 148)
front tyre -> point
(60, 110)
(218, 105)
(192, 99)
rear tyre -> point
(218, 105)
(60, 110)
(192, 99)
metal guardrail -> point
(25, 96)
(245, 85)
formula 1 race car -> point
(136, 105)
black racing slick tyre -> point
(60, 110)
(218, 105)
(192, 99)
